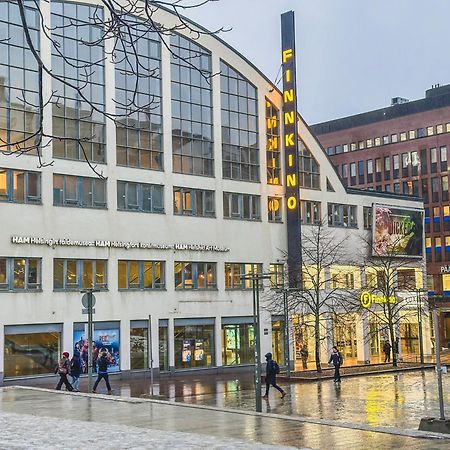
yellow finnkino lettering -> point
(288, 76)
(291, 202)
(289, 96)
(289, 140)
(290, 160)
(287, 54)
(289, 118)
(272, 143)
(291, 180)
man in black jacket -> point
(271, 376)
(102, 370)
(336, 360)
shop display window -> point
(31, 353)
(194, 346)
(238, 341)
(139, 348)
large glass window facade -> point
(139, 348)
(240, 140)
(75, 274)
(241, 206)
(141, 274)
(238, 344)
(192, 139)
(194, 346)
(163, 345)
(20, 186)
(273, 154)
(309, 169)
(82, 192)
(140, 197)
(19, 81)
(79, 99)
(195, 275)
(342, 215)
(138, 98)
(234, 272)
(31, 353)
(19, 274)
(193, 202)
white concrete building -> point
(193, 196)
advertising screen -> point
(397, 232)
(103, 339)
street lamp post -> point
(255, 279)
(419, 320)
(88, 301)
(437, 345)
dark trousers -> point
(99, 378)
(387, 357)
(337, 375)
(63, 380)
(274, 384)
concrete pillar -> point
(2, 352)
(397, 334)
(218, 341)
(155, 342)
(125, 345)
(363, 338)
(171, 343)
(67, 338)
(328, 342)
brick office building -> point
(403, 148)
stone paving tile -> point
(107, 414)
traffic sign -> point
(85, 300)
(86, 311)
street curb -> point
(302, 419)
(348, 375)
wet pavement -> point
(59, 414)
(392, 400)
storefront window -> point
(238, 342)
(194, 346)
(31, 353)
(106, 337)
(278, 341)
(409, 339)
(163, 348)
(139, 348)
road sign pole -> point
(150, 353)
(90, 339)
(437, 345)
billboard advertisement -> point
(397, 232)
(102, 339)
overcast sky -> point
(353, 55)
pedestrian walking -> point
(304, 355)
(76, 369)
(63, 370)
(272, 369)
(337, 361)
(387, 352)
(395, 349)
(102, 371)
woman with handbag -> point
(63, 370)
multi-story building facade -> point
(193, 197)
(403, 149)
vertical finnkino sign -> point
(291, 147)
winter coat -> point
(102, 364)
(271, 373)
(64, 366)
(76, 366)
(336, 359)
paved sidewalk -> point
(99, 416)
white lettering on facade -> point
(65, 242)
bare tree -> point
(389, 294)
(323, 294)
(121, 26)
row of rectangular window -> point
(411, 165)
(74, 274)
(389, 139)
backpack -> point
(276, 367)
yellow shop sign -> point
(368, 299)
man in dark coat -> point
(102, 370)
(271, 376)
(336, 360)
(387, 351)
